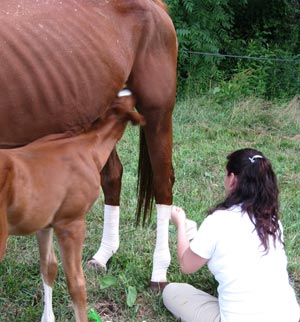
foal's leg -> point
(70, 238)
(111, 176)
(48, 267)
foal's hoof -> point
(158, 286)
(93, 263)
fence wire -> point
(240, 56)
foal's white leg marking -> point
(48, 315)
(110, 238)
(162, 256)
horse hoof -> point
(158, 286)
(93, 263)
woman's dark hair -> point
(256, 191)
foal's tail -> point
(145, 182)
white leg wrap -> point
(162, 256)
(48, 315)
(110, 238)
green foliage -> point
(131, 296)
(265, 78)
(111, 281)
(276, 20)
(271, 79)
(201, 26)
(108, 281)
(234, 89)
(267, 29)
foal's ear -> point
(136, 118)
(125, 102)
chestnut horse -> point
(51, 184)
(62, 63)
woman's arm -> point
(189, 261)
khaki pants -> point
(189, 304)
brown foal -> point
(51, 184)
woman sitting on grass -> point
(242, 243)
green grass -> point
(204, 133)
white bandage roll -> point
(191, 229)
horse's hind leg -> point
(48, 267)
(155, 90)
(111, 176)
(158, 133)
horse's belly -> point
(58, 68)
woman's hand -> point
(189, 261)
(178, 216)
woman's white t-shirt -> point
(253, 285)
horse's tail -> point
(145, 182)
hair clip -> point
(252, 160)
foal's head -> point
(120, 112)
(123, 108)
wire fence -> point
(296, 60)
(268, 77)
